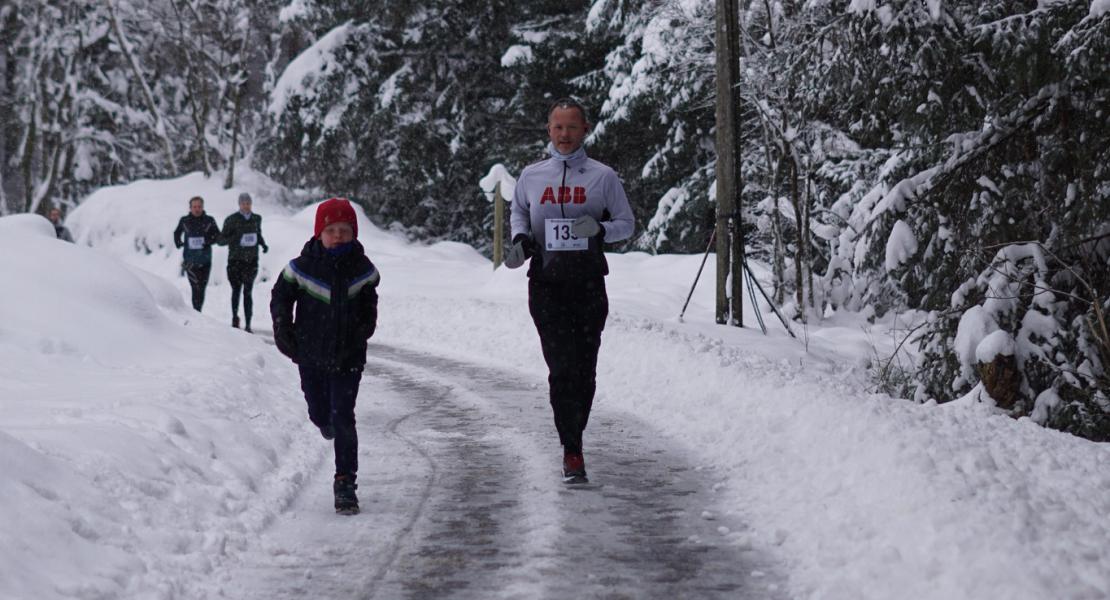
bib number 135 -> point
(559, 238)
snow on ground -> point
(139, 443)
(143, 443)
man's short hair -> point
(568, 102)
(196, 199)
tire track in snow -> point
(477, 524)
(406, 531)
(642, 530)
(462, 499)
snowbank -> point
(140, 442)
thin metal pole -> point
(751, 294)
(708, 247)
(771, 304)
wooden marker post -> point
(498, 225)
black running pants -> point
(331, 400)
(569, 317)
(198, 280)
(241, 274)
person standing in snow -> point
(563, 208)
(242, 234)
(55, 216)
(325, 308)
(196, 232)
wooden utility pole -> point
(498, 225)
(730, 250)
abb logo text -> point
(565, 195)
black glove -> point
(265, 249)
(286, 341)
(523, 248)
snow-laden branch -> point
(302, 74)
(968, 149)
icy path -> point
(461, 498)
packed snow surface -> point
(144, 444)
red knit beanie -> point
(335, 210)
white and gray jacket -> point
(567, 187)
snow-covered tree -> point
(990, 204)
(101, 92)
(656, 115)
(400, 107)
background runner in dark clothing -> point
(55, 216)
(196, 232)
(242, 234)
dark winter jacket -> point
(325, 308)
(196, 234)
(242, 237)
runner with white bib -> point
(242, 234)
(563, 209)
(196, 232)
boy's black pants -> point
(569, 317)
(331, 400)
(241, 274)
(198, 280)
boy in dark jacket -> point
(242, 234)
(196, 232)
(325, 308)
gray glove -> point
(585, 227)
(515, 257)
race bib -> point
(196, 243)
(249, 239)
(558, 237)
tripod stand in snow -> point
(750, 280)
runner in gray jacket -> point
(563, 209)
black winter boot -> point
(346, 502)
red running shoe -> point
(574, 468)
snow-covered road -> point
(460, 491)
